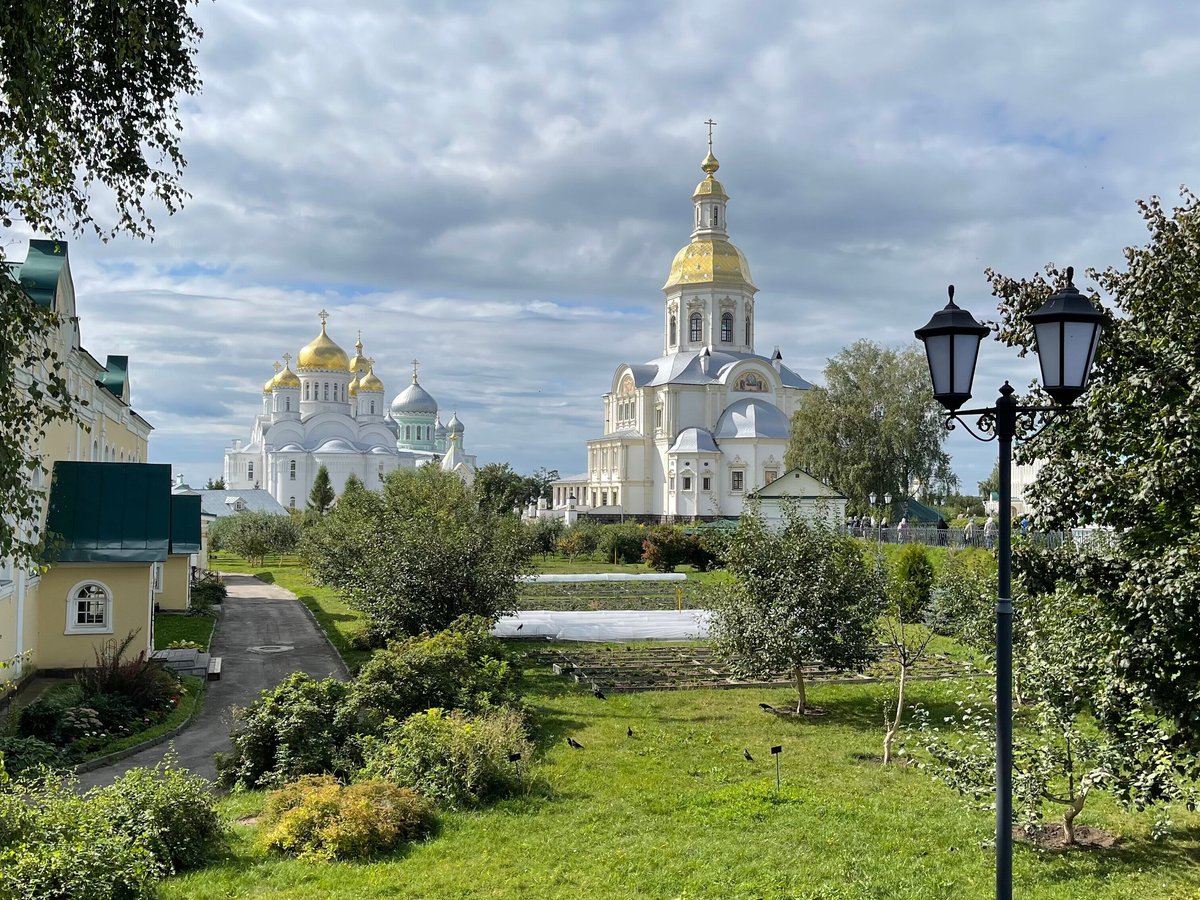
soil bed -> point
(1053, 837)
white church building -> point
(332, 412)
(698, 429)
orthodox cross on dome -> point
(287, 359)
(415, 363)
(277, 366)
(323, 315)
(711, 124)
(371, 363)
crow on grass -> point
(745, 753)
(628, 731)
(574, 744)
(597, 693)
(766, 707)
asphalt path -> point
(257, 620)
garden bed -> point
(695, 667)
(612, 595)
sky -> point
(498, 190)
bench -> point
(214, 669)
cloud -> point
(498, 190)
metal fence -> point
(958, 538)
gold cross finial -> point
(277, 366)
(371, 363)
(287, 359)
(415, 363)
(710, 123)
(323, 316)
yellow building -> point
(94, 586)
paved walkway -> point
(255, 614)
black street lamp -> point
(1066, 331)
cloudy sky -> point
(498, 190)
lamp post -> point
(1066, 332)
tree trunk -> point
(1074, 809)
(801, 705)
(890, 735)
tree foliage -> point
(501, 489)
(1127, 459)
(321, 497)
(873, 427)
(255, 535)
(89, 104)
(905, 631)
(418, 555)
(802, 595)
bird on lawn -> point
(628, 731)
(574, 744)
(766, 707)
(746, 754)
(597, 693)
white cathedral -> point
(332, 412)
(696, 430)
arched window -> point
(327, 390)
(287, 404)
(716, 215)
(408, 432)
(695, 327)
(727, 327)
(292, 470)
(95, 451)
(306, 390)
(89, 608)
(372, 407)
(747, 330)
(672, 332)
(292, 502)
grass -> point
(169, 628)
(676, 812)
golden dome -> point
(360, 362)
(270, 385)
(353, 389)
(710, 261)
(710, 163)
(287, 379)
(322, 353)
(710, 187)
(370, 381)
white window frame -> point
(156, 577)
(73, 626)
(736, 476)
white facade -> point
(694, 431)
(332, 412)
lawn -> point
(676, 811)
(169, 628)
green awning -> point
(185, 523)
(109, 512)
(116, 374)
(39, 273)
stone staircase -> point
(191, 662)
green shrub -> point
(318, 818)
(457, 760)
(185, 645)
(463, 667)
(206, 593)
(581, 539)
(621, 543)
(173, 809)
(143, 680)
(40, 719)
(912, 579)
(665, 547)
(66, 845)
(22, 754)
(295, 728)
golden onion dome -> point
(352, 390)
(370, 381)
(287, 378)
(710, 187)
(270, 385)
(359, 364)
(710, 261)
(322, 353)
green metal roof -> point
(39, 273)
(116, 372)
(918, 512)
(185, 523)
(109, 512)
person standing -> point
(989, 532)
(969, 532)
(943, 531)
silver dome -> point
(414, 399)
